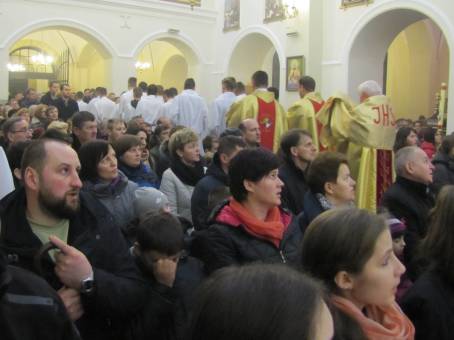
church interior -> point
(404, 45)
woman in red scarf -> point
(250, 226)
(351, 251)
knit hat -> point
(397, 227)
(149, 200)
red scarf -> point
(272, 229)
(381, 322)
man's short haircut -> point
(228, 83)
(143, 85)
(132, 82)
(229, 144)
(251, 165)
(240, 86)
(160, 232)
(52, 82)
(8, 125)
(189, 84)
(112, 122)
(324, 168)
(290, 139)
(260, 79)
(62, 86)
(79, 95)
(169, 93)
(137, 92)
(27, 91)
(403, 156)
(15, 152)
(79, 118)
(208, 141)
(152, 90)
(231, 132)
(35, 155)
(124, 143)
(308, 83)
(371, 88)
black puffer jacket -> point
(215, 178)
(443, 172)
(31, 309)
(119, 290)
(429, 305)
(226, 242)
(295, 187)
(410, 202)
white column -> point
(121, 69)
(4, 75)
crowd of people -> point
(153, 215)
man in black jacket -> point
(297, 152)
(410, 199)
(25, 296)
(216, 177)
(65, 104)
(93, 270)
(51, 97)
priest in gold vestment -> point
(262, 106)
(365, 133)
(301, 115)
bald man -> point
(409, 198)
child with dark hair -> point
(397, 228)
(172, 276)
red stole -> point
(384, 173)
(317, 106)
(266, 118)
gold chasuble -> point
(366, 134)
(301, 115)
(270, 115)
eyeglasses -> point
(22, 130)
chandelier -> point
(42, 59)
(15, 67)
(142, 65)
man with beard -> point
(92, 269)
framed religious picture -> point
(274, 10)
(351, 3)
(295, 70)
(231, 15)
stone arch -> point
(102, 44)
(373, 33)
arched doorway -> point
(168, 62)
(416, 55)
(254, 52)
(58, 53)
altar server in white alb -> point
(150, 105)
(192, 109)
(220, 106)
(127, 96)
(170, 107)
(103, 108)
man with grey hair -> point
(365, 133)
(368, 89)
(409, 198)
